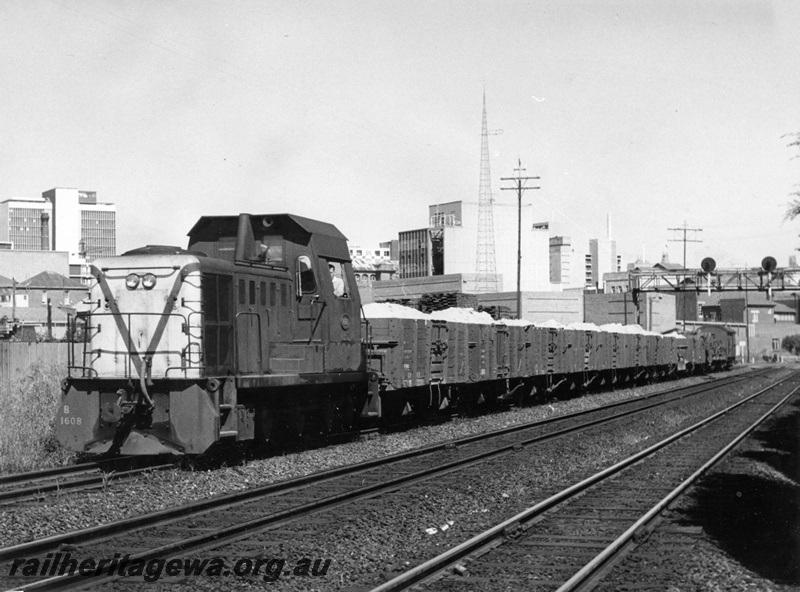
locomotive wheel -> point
(337, 414)
(298, 421)
(392, 406)
(265, 425)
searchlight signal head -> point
(708, 265)
(769, 264)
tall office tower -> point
(82, 227)
(560, 259)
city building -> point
(82, 227)
(619, 281)
(601, 259)
(654, 312)
(768, 320)
(26, 224)
(383, 252)
(40, 306)
(560, 260)
(449, 246)
(373, 265)
(63, 219)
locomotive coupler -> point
(125, 407)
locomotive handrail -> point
(183, 370)
(129, 342)
(148, 267)
(86, 370)
(316, 300)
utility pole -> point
(520, 188)
(685, 229)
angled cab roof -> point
(328, 241)
(306, 224)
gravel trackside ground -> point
(58, 513)
(738, 530)
(378, 538)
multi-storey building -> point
(26, 223)
(63, 219)
(602, 259)
(373, 265)
(449, 246)
(383, 252)
(82, 227)
(560, 260)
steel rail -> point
(102, 531)
(85, 483)
(232, 533)
(491, 536)
(613, 550)
(59, 471)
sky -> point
(364, 112)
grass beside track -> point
(28, 421)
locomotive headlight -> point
(131, 281)
(148, 281)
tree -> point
(791, 343)
(793, 207)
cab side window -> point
(341, 289)
(306, 281)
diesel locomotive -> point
(256, 331)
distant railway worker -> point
(338, 283)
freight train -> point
(255, 332)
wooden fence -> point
(18, 359)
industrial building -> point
(767, 320)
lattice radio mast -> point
(485, 265)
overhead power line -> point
(685, 230)
(520, 188)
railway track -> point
(36, 484)
(570, 540)
(229, 518)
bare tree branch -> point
(795, 143)
(793, 208)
